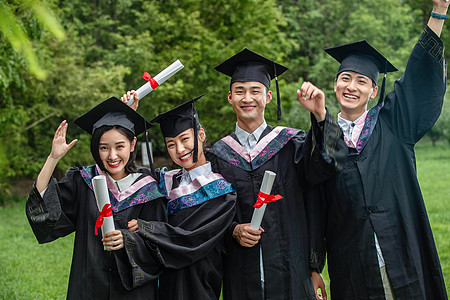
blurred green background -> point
(58, 59)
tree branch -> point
(41, 120)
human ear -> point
(374, 92)
(202, 135)
(268, 96)
(133, 144)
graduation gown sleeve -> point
(414, 105)
(52, 216)
(192, 232)
(325, 151)
(70, 206)
(138, 264)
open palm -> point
(59, 145)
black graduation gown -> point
(191, 243)
(378, 191)
(69, 205)
(285, 247)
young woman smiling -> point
(200, 209)
(56, 209)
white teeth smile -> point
(351, 96)
(186, 156)
(114, 163)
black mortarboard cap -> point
(179, 119)
(248, 66)
(362, 58)
(113, 112)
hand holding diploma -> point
(247, 236)
(153, 83)
(105, 219)
(128, 96)
(264, 197)
(113, 240)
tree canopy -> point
(60, 58)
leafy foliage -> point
(92, 50)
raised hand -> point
(440, 3)
(313, 99)
(59, 149)
(127, 96)
(59, 145)
(439, 7)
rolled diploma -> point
(160, 78)
(102, 197)
(266, 188)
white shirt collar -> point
(243, 135)
(347, 126)
(188, 176)
(126, 182)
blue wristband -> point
(439, 16)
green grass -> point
(433, 169)
(29, 270)
(32, 271)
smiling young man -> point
(378, 238)
(273, 262)
(353, 92)
(249, 100)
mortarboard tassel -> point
(150, 158)
(383, 84)
(278, 94)
(194, 125)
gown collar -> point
(230, 150)
(144, 189)
(243, 136)
(201, 189)
(367, 129)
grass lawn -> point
(433, 168)
(32, 271)
(29, 270)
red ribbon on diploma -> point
(264, 198)
(106, 212)
(152, 81)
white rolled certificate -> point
(152, 83)
(266, 188)
(102, 197)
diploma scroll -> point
(105, 220)
(156, 81)
(266, 188)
